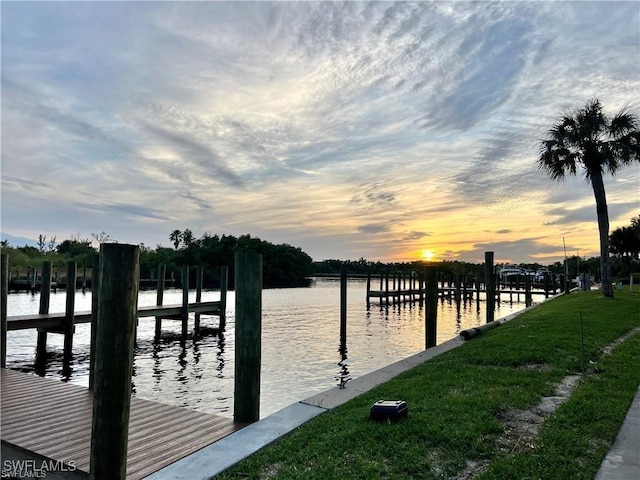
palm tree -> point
(175, 237)
(589, 140)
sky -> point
(376, 130)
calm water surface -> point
(300, 344)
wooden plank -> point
(56, 320)
(158, 434)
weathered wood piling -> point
(4, 287)
(431, 310)
(117, 309)
(248, 285)
(490, 286)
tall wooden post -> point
(431, 310)
(343, 307)
(527, 288)
(4, 287)
(248, 284)
(199, 275)
(162, 271)
(69, 313)
(224, 287)
(119, 273)
(95, 304)
(45, 294)
(490, 286)
(368, 289)
(185, 301)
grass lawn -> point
(461, 402)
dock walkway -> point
(47, 419)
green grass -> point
(456, 402)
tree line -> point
(286, 265)
(283, 264)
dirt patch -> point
(472, 470)
(609, 348)
(521, 427)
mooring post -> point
(386, 287)
(162, 271)
(185, 301)
(199, 275)
(343, 306)
(224, 287)
(45, 294)
(431, 308)
(119, 273)
(248, 285)
(4, 287)
(69, 313)
(527, 289)
(546, 285)
(368, 289)
(490, 286)
(95, 304)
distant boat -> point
(510, 271)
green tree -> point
(176, 238)
(590, 141)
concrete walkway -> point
(623, 460)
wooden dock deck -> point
(53, 420)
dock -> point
(56, 320)
(46, 419)
(403, 288)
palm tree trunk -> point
(603, 226)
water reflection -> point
(199, 372)
(343, 373)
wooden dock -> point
(48, 419)
(56, 320)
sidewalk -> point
(623, 460)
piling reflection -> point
(344, 376)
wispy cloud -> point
(350, 129)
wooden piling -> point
(224, 287)
(45, 294)
(199, 277)
(162, 271)
(490, 286)
(68, 327)
(368, 288)
(185, 301)
(119, 273)
(248, 285)
(431, 310)
(95, 304)
(4, 287)
(343, 307)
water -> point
(300, 344)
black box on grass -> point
(389, 410)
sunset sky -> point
(358, 129)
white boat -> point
(510, 271)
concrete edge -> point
(337, 396)
(217, 457)
(623, 459)
(223, 454)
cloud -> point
(351, 128)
